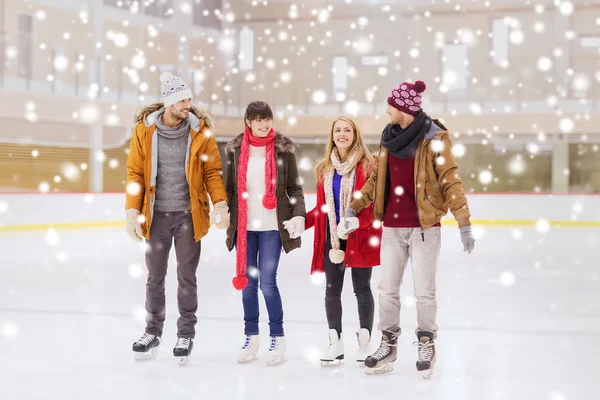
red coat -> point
(360, 251)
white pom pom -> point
(165, 76)
(337, 256)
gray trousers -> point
(168, 227)
(397, 246)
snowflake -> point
(507, 279)
(9, 329)
(62, 257)
(374, 241)
(542, 226)
(135, 270)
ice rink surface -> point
(519, 319)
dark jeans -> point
(264, 251)
(361, 280)
(165, 227)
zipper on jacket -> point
(416, 189)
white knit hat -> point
(173, 89)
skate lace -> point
(247, 342)
(183, 343)
(274, 344)
(425, 350)
(146, 339)
(383, 350)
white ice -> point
(519, 319)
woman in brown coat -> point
(267, 214)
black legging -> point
(361, 280)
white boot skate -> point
(426, 361)
(146, 348)
(276, 354)
(249, 350)
(364, 339)
(335, 352)
(183, 350)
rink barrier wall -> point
(42, 211)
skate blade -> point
(147, 356)
(181, 361)
(331, 363)
(427, 373)
(275, 362)
(246, 360)
(381, 370)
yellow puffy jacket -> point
(203, 168)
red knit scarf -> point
(269, 199)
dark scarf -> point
(402, 143)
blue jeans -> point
(264, 251)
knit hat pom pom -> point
(337, 256)
(240, 282)
(269, 201)
(165, 76)
(420, 86)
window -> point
(500, 41)
(455, 70)
(24, 40)
(155, 8)
(197, 79)
(159, 8)
(374, 60)
(340, 75)
(207, 13)
(590, 42)
(246, 49)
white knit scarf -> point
(348, 171)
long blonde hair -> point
(326, 165)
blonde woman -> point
(344, 170)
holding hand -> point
(466, 236)
(220, 215)
(348, 224)
(134, 226)
(294, 226)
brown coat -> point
(437, 184)
(203, 168)
(290, 197)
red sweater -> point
(401, 206)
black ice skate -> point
(385, 356)
(426, 347)
(183, 349)
(146, 348)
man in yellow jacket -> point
(173, 166)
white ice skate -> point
(426, 361)
(146, 348)
(364, 339)
(335, 352)
(183, 350)
(249, 350)
(276, 354)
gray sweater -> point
(172, 190)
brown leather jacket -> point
(437, 184)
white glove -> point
(467, 238)
(134, 226)
(220, 215)
(294, 226)
(346, 226)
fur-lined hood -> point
(148, 115)
(282, 144)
